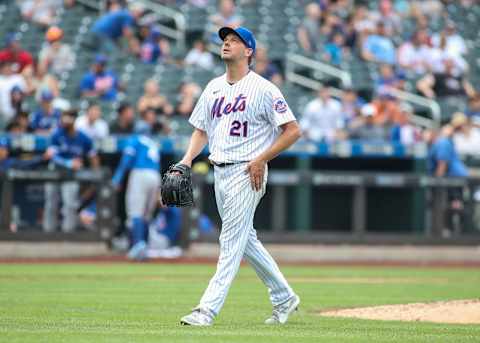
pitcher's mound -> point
(455, 312)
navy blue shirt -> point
(113, 23)
(444, 150)
(45, 121)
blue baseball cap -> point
(101, 59)
(46, 95)
(243, 33)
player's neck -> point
(236, 72)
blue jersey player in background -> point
(141, 157)
(69, 150)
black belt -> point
(225, 164)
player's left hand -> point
(256, 169)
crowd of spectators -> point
(403, 52)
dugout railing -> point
(97, 184)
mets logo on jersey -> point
(280, 106)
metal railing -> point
(162, 11)
(294, 59)
(345, 77)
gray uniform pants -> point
(69, 192)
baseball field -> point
(120, 302)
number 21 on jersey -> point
(239, 129)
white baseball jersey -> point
(241, 120)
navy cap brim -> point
(224, 31)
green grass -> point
(143, 303)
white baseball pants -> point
(237, 202)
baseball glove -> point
(177, 186)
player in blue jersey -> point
(46, 118)
(141, 157)
(68, 149)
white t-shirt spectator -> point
(455, 44)
(413, 57)
(322, 119)
(203, 59)
(7, 83)
(468, 144)
(96, 130)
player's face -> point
(233, 49)
(67, 121)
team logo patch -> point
(280, 106)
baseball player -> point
(142, 157)
(246, 122)
(68, 149)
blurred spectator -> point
(379, 47)
(100, 82)
(55, 57)
(331, 25)
(443, 159)
(41, 81)
(362, 20)
(365, 128)
(46, 118)
(68, 149)
(22, 119)
(200, 56)
(148, 124)
(387, 110)
(8, 82)
(265, 68)
(388, 80)
(432, 8)
(323, 119)
(187, 98)
(225, 16)
(466, 137)
(17, 97)
(335, 49)
(351, 104)
(437, 56)
(412, 53)
(42, 12)
(125, 120)
(450, 82)
(21, 60)
(152, 98)
(405, 132)
(389, 17)
(455, 44)
(309, 31)
(473, 111)
(155, 48)
(92, 124)
(118, 22)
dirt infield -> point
(451, 312)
